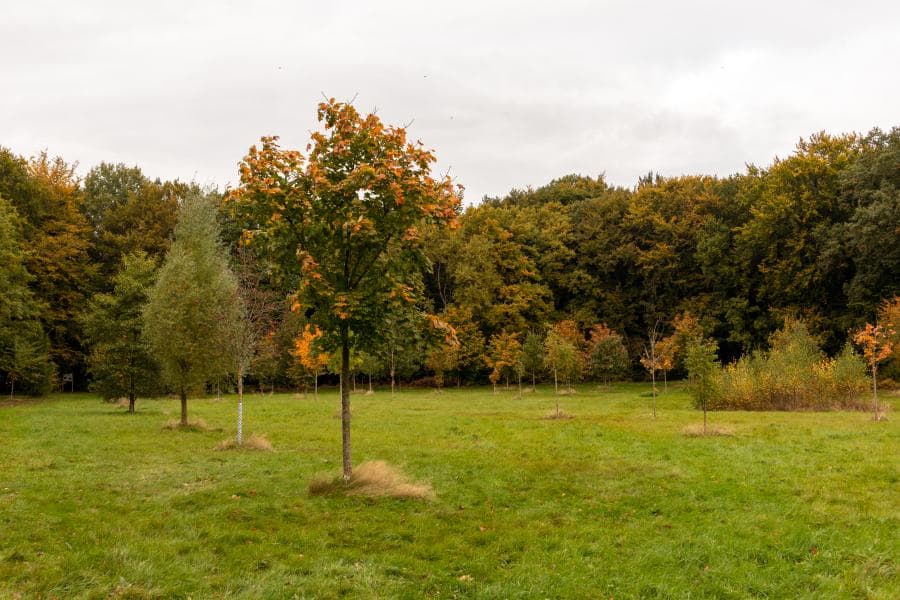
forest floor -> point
(611, 503)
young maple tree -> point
(875, 341)
(504, 355)
(345, 221)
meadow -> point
(97, 503)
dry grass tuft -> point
(195, 425)
(561, 415)
(373, 479)
(252, 442)
(696, 430)
(567, 391)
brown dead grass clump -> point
(372, 479)
(561, 415)
(195, 425)
(251, 442)
(696, 430)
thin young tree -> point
(701, 363)
(533, 355)
(650, 357)
(345, 220)
(257, 310)
(193, 306)
(875, 341)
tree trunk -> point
(520, 385)
(370, 384)
(345, 402)
(665, 383)
(12, 388)
(183, 394)
(240, 390)
(653, 379)
(875, 389)
(555, 383)
(704, 417)
(316, 384)
(131, 400)
(392, 371)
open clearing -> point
(611, 503)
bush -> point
(792, 375)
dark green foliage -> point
(120, 361)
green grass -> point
(97, 503)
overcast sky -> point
(509, 94)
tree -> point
(875, 341)
(562, 358)
(700, 360)
(256, 311)
(120, 362)
(193, 306)
(345, 221)
(650, 357)
(607, 355)
(667, 349)
(24, 348)
(503, 357)
(889, 316)
(533, 355)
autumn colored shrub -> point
(793, 374)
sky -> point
(508, 94)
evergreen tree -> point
(120, 362)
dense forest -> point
(814, 236)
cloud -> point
(508, 93)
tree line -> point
(573, 279)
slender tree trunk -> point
(370, 384)
(316, 384)
(12, 388)
(345, 402)
(131, 400)
(704, 417)
(665, 382)
(240, 390)
(875, 389)
(184, 421)
(653, 379)
(520, 385)
(533, 386)
(392, 371)
(555, 382)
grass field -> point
(97, 503)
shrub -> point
(792, 375)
